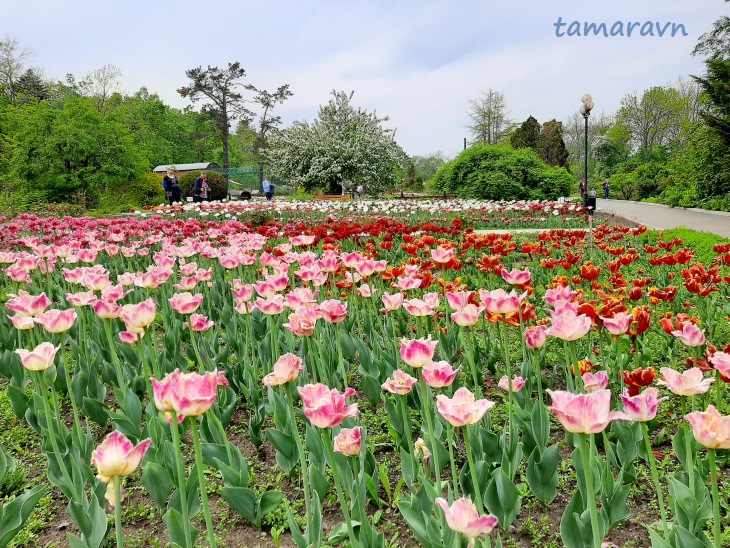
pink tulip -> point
(463, 408)
(558, 296)
(349, 441)
(126, 279)
(689, 383)
(333, 311)
(187, 395)
(275, 304)
(97, 282)
(618, 324)
(186, 283)
(301, 296)
(244, 308)
(457, 301)
(286, 370)
(518, 383)
(278, 281)
(244, 293)
(366, 268)
(137, 317)
(432, 299)
(82, 298)
(302, 240)
(593, 382)
(107, 310)
(326, 408)
(536, 336)
(417, 308)
(392, 302)
(199, 323)
(117, 457)
(127, 337)
(26, 304)
(501, 302)
(690, 335)
(517, 277)
(186, 303)
(22, 323)
(721, 361)
(114, 293)
(441, 255)
(417, 352)
(710, 429)
(302, 322)
(570, 326)
(18, 275)
(439, 374)
(584, 413)
(366, 291)
(57, 321)
(40, 358)
(265, 289)
(404, 283)
(401, 383)
(351, 260)
(462, 517)
(642, 408)
(467, 316)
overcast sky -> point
(418, 62)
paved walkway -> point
(661, 217)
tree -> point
(716, 43)
(343, 147)
(32, 84)
(648, 119)
(550, 145)
(12, 58)
(101, 84)
(267, 101)
(527, 135)
(490, 124)
(226, 104)
(427, 166)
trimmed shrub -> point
(217, 183)
(500, 173)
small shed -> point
(182, 169)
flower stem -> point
(113, 350)
(473, 470)
(51, 428)
(655, 477)
(118, 510)
(426, 406)
(689, 468)
(201, 365)
(588, 471)
(181, 484)
(340, 495)
(407, 428)
(302, 457)
(454, 476)
(716, 534)
(201, 483)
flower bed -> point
(402, 375)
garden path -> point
(661, 217)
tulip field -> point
(363, 374)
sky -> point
(417, 62)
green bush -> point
(217, 183)
(500, 173)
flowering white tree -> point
(342, 147)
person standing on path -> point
(267, 189)
(200, 191)
(171, 184)
(606, 189)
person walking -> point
(171, 184)
(268, 189)
(606, 189)
(200, 191)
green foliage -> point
(217, 183)
(527, 135)
(550, 145)
(624, 184)
(500, 173)
(649, 178)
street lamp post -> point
(585, 110)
